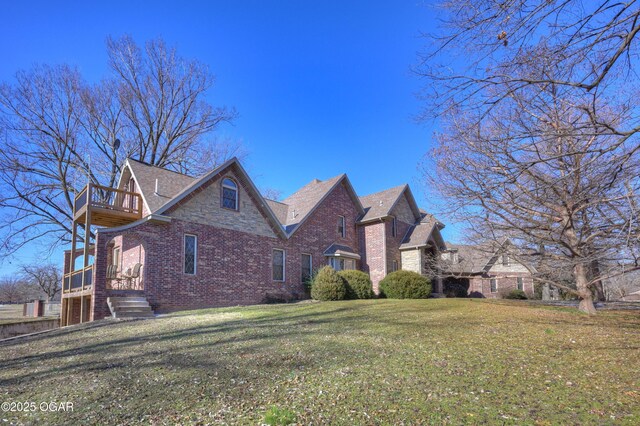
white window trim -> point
(236, 189)
(116, 261)
(195, 254)
(490, 289)
(343, 234)
(284, 265)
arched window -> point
(229, 194)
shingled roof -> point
(170, 183)
(419, 235)
(379, 205)
(303, 202)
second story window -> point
(394, 227)
(342, 230)
(229, 194)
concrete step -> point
(130, 307)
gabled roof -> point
(380, 204)
(244, 178)
(303, 202)
(419, 235)
(170, 183)
(279, 209)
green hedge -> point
(328, 285)
(405, 285)
(358, 284)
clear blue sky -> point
(322, 87)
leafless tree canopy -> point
(539, 130)
(59, 131)
(47, 278)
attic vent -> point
(156, 192)
(381, 203)
(294, 214)
(317, 181)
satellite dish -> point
(116, 144)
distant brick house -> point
(174, 242)
(489, 272)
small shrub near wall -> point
(328, 285)
(405, 285)
(516, 294)
(358, 284)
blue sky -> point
(322, 87)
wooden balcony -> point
(78, 281)
(107, 206)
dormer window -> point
(229, 194)
(342, 230)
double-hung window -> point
(494, 285)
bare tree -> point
(539, 141)
(547, 168)
(13, 290)
(59, 133)
(46, 277)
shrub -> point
(516, 294)
(328, 285)
(358, 284)
(405, 285)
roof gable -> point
(241, 175)
(420, 234)
(170, 183)
(380, 204)
(302, 203)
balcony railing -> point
(79, 280)
(109, 198)
(107, 206)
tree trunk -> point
(586, 297)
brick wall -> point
(233, 267)
(505, 282)
(372, 251)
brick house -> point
(166, 241)
(479, 271)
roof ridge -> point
(144, 163)
(384, 190)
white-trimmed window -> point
(520, 283)
(342, 229)
(505, 260)
(340, 263)
(306, 261)
(229, 194)
(190, 254)
(394, 266)
(394, 227)
(493, 283)
(278, 259)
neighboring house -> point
(167, 241)
(489, 272)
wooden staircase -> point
(130, 307)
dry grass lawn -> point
(440, 361)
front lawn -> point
(441, 361)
